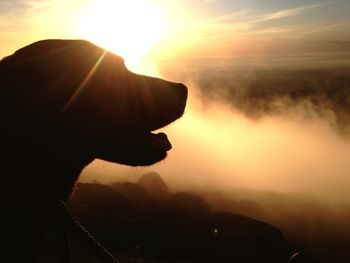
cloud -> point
(288, 12)
(18, 8)
(251, 16)
(277, 123)
(246, 21)
(335, 31)
(274, 85)
(250, 31)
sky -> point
(218, 145)
(172, 28)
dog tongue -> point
(160, 141)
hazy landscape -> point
(145, 221)
(269, 141)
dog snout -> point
(182, 91)
(179, 98)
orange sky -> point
(167, 29)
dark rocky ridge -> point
(132, 220)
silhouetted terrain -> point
(133, 221)
(242, 225)
(316, 226)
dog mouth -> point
(150, 140)
(134, 148)
(159, 141)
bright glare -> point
(130, 28)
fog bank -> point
(280, 126)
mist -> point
(263, 123)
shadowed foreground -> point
(145, 221)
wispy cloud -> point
(248, 21)
(288, 12)
(17, 19)
(249, 16)
(234, 16)
(9, 8)
(338, 31)
(272, 30)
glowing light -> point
(129, 28)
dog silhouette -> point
(64, 103)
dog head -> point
(73, 93)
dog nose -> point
(182, 90)
(181, 94)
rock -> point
(239, 238)
(188, 205)
(138, 195)
(155, 185)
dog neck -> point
(39, 170)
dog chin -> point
(134, 149)
(143, 160)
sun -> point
(130, 28)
